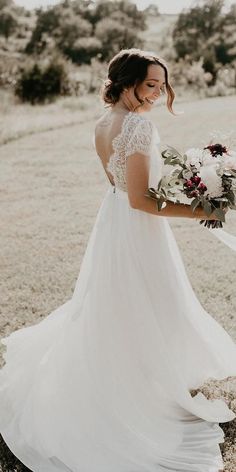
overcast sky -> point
(165, 6)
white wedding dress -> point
(103, 383)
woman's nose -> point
(157, 92)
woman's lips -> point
(149, 101)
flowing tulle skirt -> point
(103, 383)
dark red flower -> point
(196, 179)
(194, 193)
(188, 183)
(202, 187)
(216, 149)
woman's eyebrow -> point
(155, 80)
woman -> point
(103, 383)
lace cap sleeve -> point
(139, 136)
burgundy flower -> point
(202, 187)
(194, 193)
(188, 183)
(196, 179)
(216, 149)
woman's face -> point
(148, 91)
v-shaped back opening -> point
(115, 140)
(116, 143)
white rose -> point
(212, 181)
(230, 161)
(209, 160)
(194, 157)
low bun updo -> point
(111, 91)
(129, 68)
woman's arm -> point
(137, 172)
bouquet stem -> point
(212, 223)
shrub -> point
(38, 83)
(8, 23)
(71, 29)
(85, 49)
(224, 84)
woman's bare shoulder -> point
(102, 122)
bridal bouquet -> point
(206, 176)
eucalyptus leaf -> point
(187, 174)
(175, 151)
(159, 204)
(207, 208)
(166, 153)
(174, 162)
(233, 172)
(168, 159)
(194, 203)
(220, 214)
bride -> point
(103, 383)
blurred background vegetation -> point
(64, 49)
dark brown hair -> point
(129, 68)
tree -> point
(47, 22)
(69, 32)
(115, 36)
(204, 31)
(152, 10)
(107, 9)
(84, 49)
(195, 26)
(8, 22)
(110, 24)
(226, 44)
(6, 3)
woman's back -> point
(107, 128)
(120, 135)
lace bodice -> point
(138, 134)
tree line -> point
(83, 29)
(87, 30)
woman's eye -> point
(149, 85)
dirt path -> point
(51, 186)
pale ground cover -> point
(51, 187)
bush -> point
(38, 83)
(8, 22)
(85, 49)
(224, 84)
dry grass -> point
(24, 119)
(51, 186)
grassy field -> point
(52, 184)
